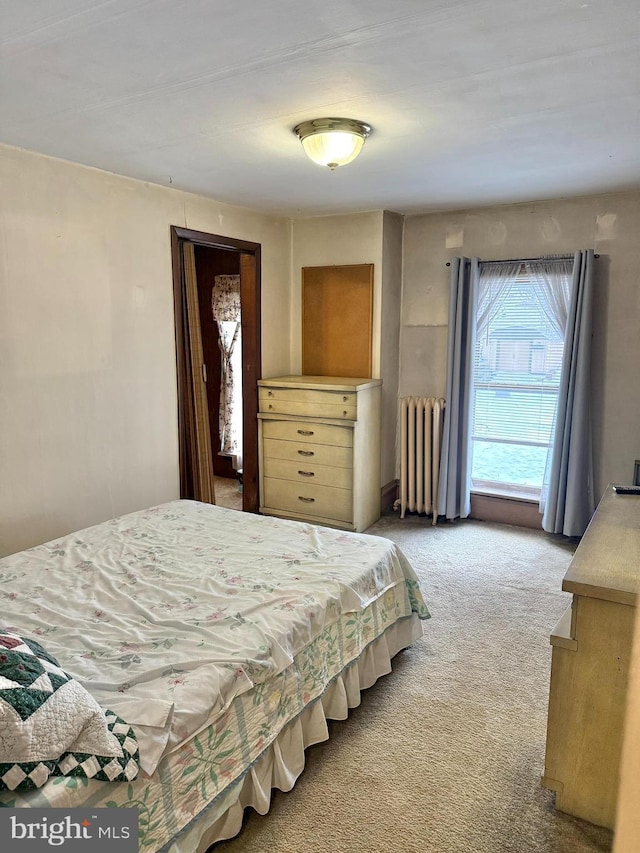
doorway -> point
(219, 262)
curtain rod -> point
(527, 260)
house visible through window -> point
(518, 358)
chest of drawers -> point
(319, 449)
(590, 663)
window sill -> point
(507, 495)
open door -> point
(196, 409)
(247, 260)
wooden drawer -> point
(307, 395)
(307, 431)
(303, 453)
(304, 472)
(312, 410)
(305, 401)
(304, 499)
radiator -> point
(420, 430)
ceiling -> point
(472, 102)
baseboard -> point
(506, 511)
(388, 495)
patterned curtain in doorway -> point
(225, 306)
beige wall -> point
(390, 338)
(326, 240)
(610, 224)
(365, 238)
(87, 378)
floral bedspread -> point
(167, 614)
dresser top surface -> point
(322, 383)
(606, 564)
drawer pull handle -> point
(306, 500)
(305, 432)
(270, 406)
(344, 413)
(270, 393)
(344, 399)
(306, 453)
(306, 473)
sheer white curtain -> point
(552, 290)
(494, 285)
(225, 306)
(496, 280)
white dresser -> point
(319, 449)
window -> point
(516, 376)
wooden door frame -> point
(251, 352)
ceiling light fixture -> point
(332, 142)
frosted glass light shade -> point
(333, 148)
(332, 142)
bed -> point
(224, 640)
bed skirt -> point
(281, 764)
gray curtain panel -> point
(567, 500)
(454, 487)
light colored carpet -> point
(445, 754)
(227, 493)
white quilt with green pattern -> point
(205, 629)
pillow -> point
(51, 726)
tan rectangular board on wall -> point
(337, 314)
